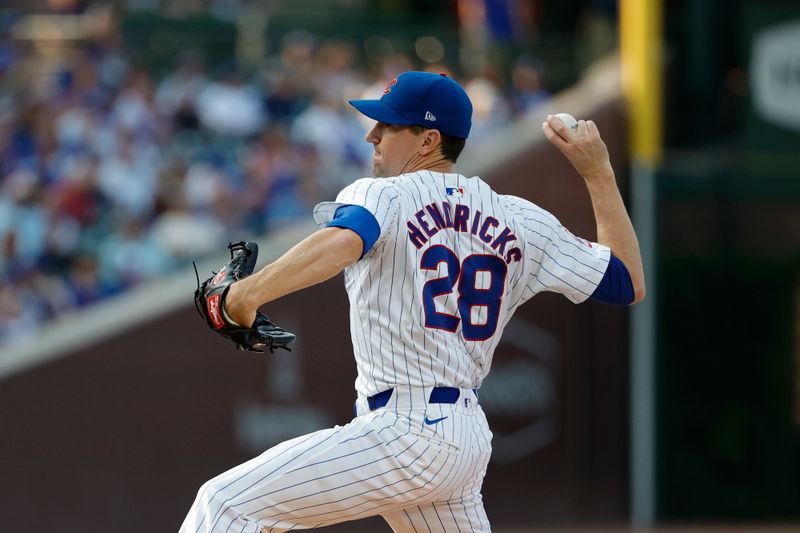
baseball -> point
(568, 120)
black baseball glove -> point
(209, 298)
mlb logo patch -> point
(458, 192)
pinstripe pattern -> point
(392, 346)
(380, 463)
(390, 462)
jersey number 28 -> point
(469, 295)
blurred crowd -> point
(110, 176)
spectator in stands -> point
(177, 94)
(231, 106)
(491, 111)
(528, 91)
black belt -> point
(438, 395)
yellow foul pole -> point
(641, 42)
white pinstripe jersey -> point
(453, 261)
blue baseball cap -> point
(426, 99)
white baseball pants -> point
(419, 465)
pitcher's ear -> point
(432, 139)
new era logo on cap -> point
(430, 116)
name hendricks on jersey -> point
(444, 216)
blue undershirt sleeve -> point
(360, 220)
(616, 287)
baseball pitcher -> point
(435, 264)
